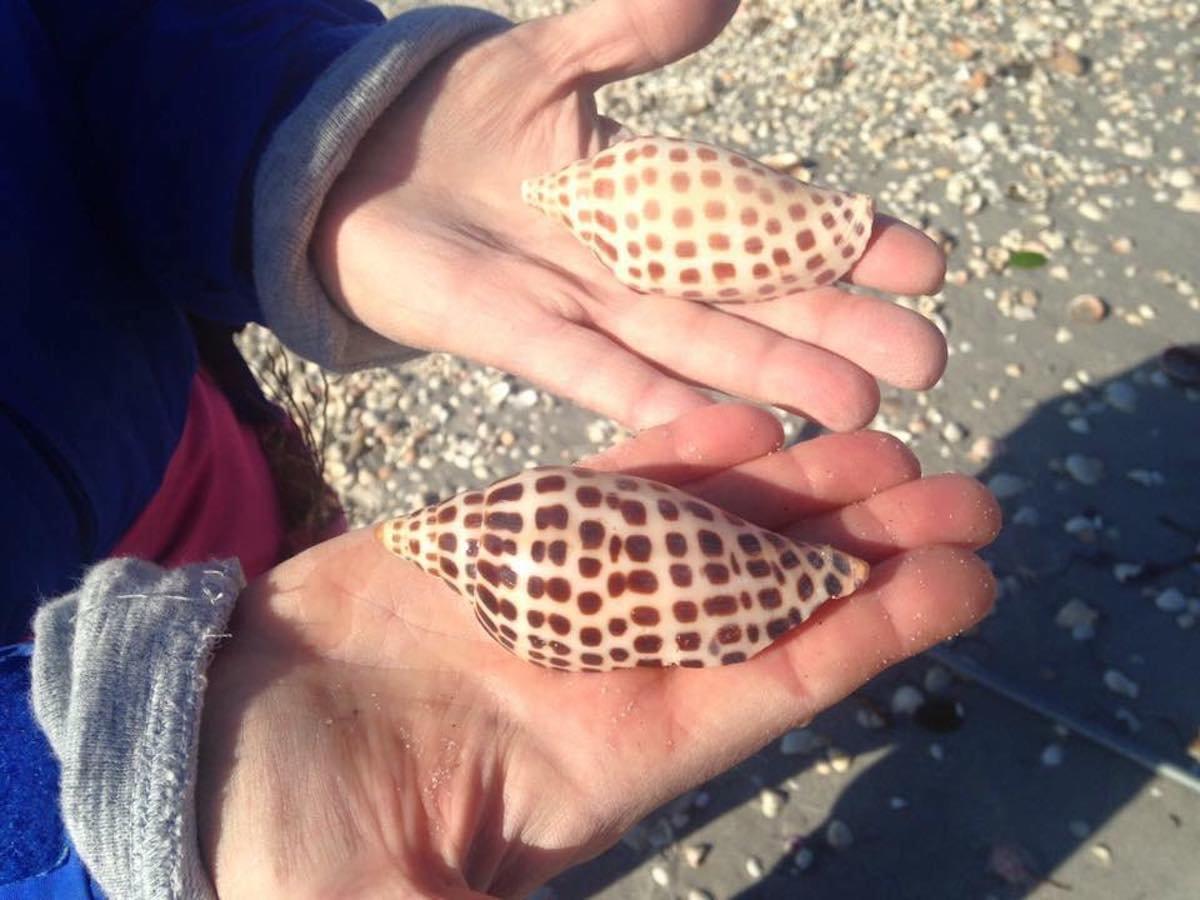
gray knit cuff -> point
(308, 152)
(118, 685)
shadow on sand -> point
(990, 798)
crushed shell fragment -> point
(693, 221)
(579, 570)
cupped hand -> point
(425, 239)
(362, 734)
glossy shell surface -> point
(587, 571)
(694, 221)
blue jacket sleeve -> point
(179, 99)
(37, 859)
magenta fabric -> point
(217, 498)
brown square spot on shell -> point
(685, 611)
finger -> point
(911, 603)
(896, 345)
(943, 509)
(825, 473)
(710, 439)
(596, 372)
(900, 260)
(609, 40)
(742, 358)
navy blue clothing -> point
(131, 131)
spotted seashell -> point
(589, 571)
(690, 220)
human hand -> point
(425, 239)
(363, 734)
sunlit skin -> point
(362, 733)
(426, 239)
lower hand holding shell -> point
(590, 571)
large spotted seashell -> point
(589, 571)
(690, 220)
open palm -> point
(362, 733)
(425, 239)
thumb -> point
(609, 40)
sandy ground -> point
(1066, 129)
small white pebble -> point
(1146, 477)
(1052, 755)
(1087, 308)
(771, 801)
(839, 760)
(838, 835)
(1083, 527)
(1120, 683)
(1063, 335)
(754, 867)
(699, 894)
(1005, 485)
(952, 432)
(1102, 854)
(869, 718)
(803, 859)
(660, 834)
(525, 399)
(800, 740)
(1120, 396)
(1086, 470)
(983, 449)
(1180, 178)
(695, 854)
(1171, 600)
(906, 700)
(1125, 571)
(937, 679)
(498, 392)
(1027, 516)
(660, 875)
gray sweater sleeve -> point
(118, 683)
(307, 153)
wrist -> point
(289, 775)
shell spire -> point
(588, 571)
(698, 222)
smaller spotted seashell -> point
(589, 571)
(698, 222)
